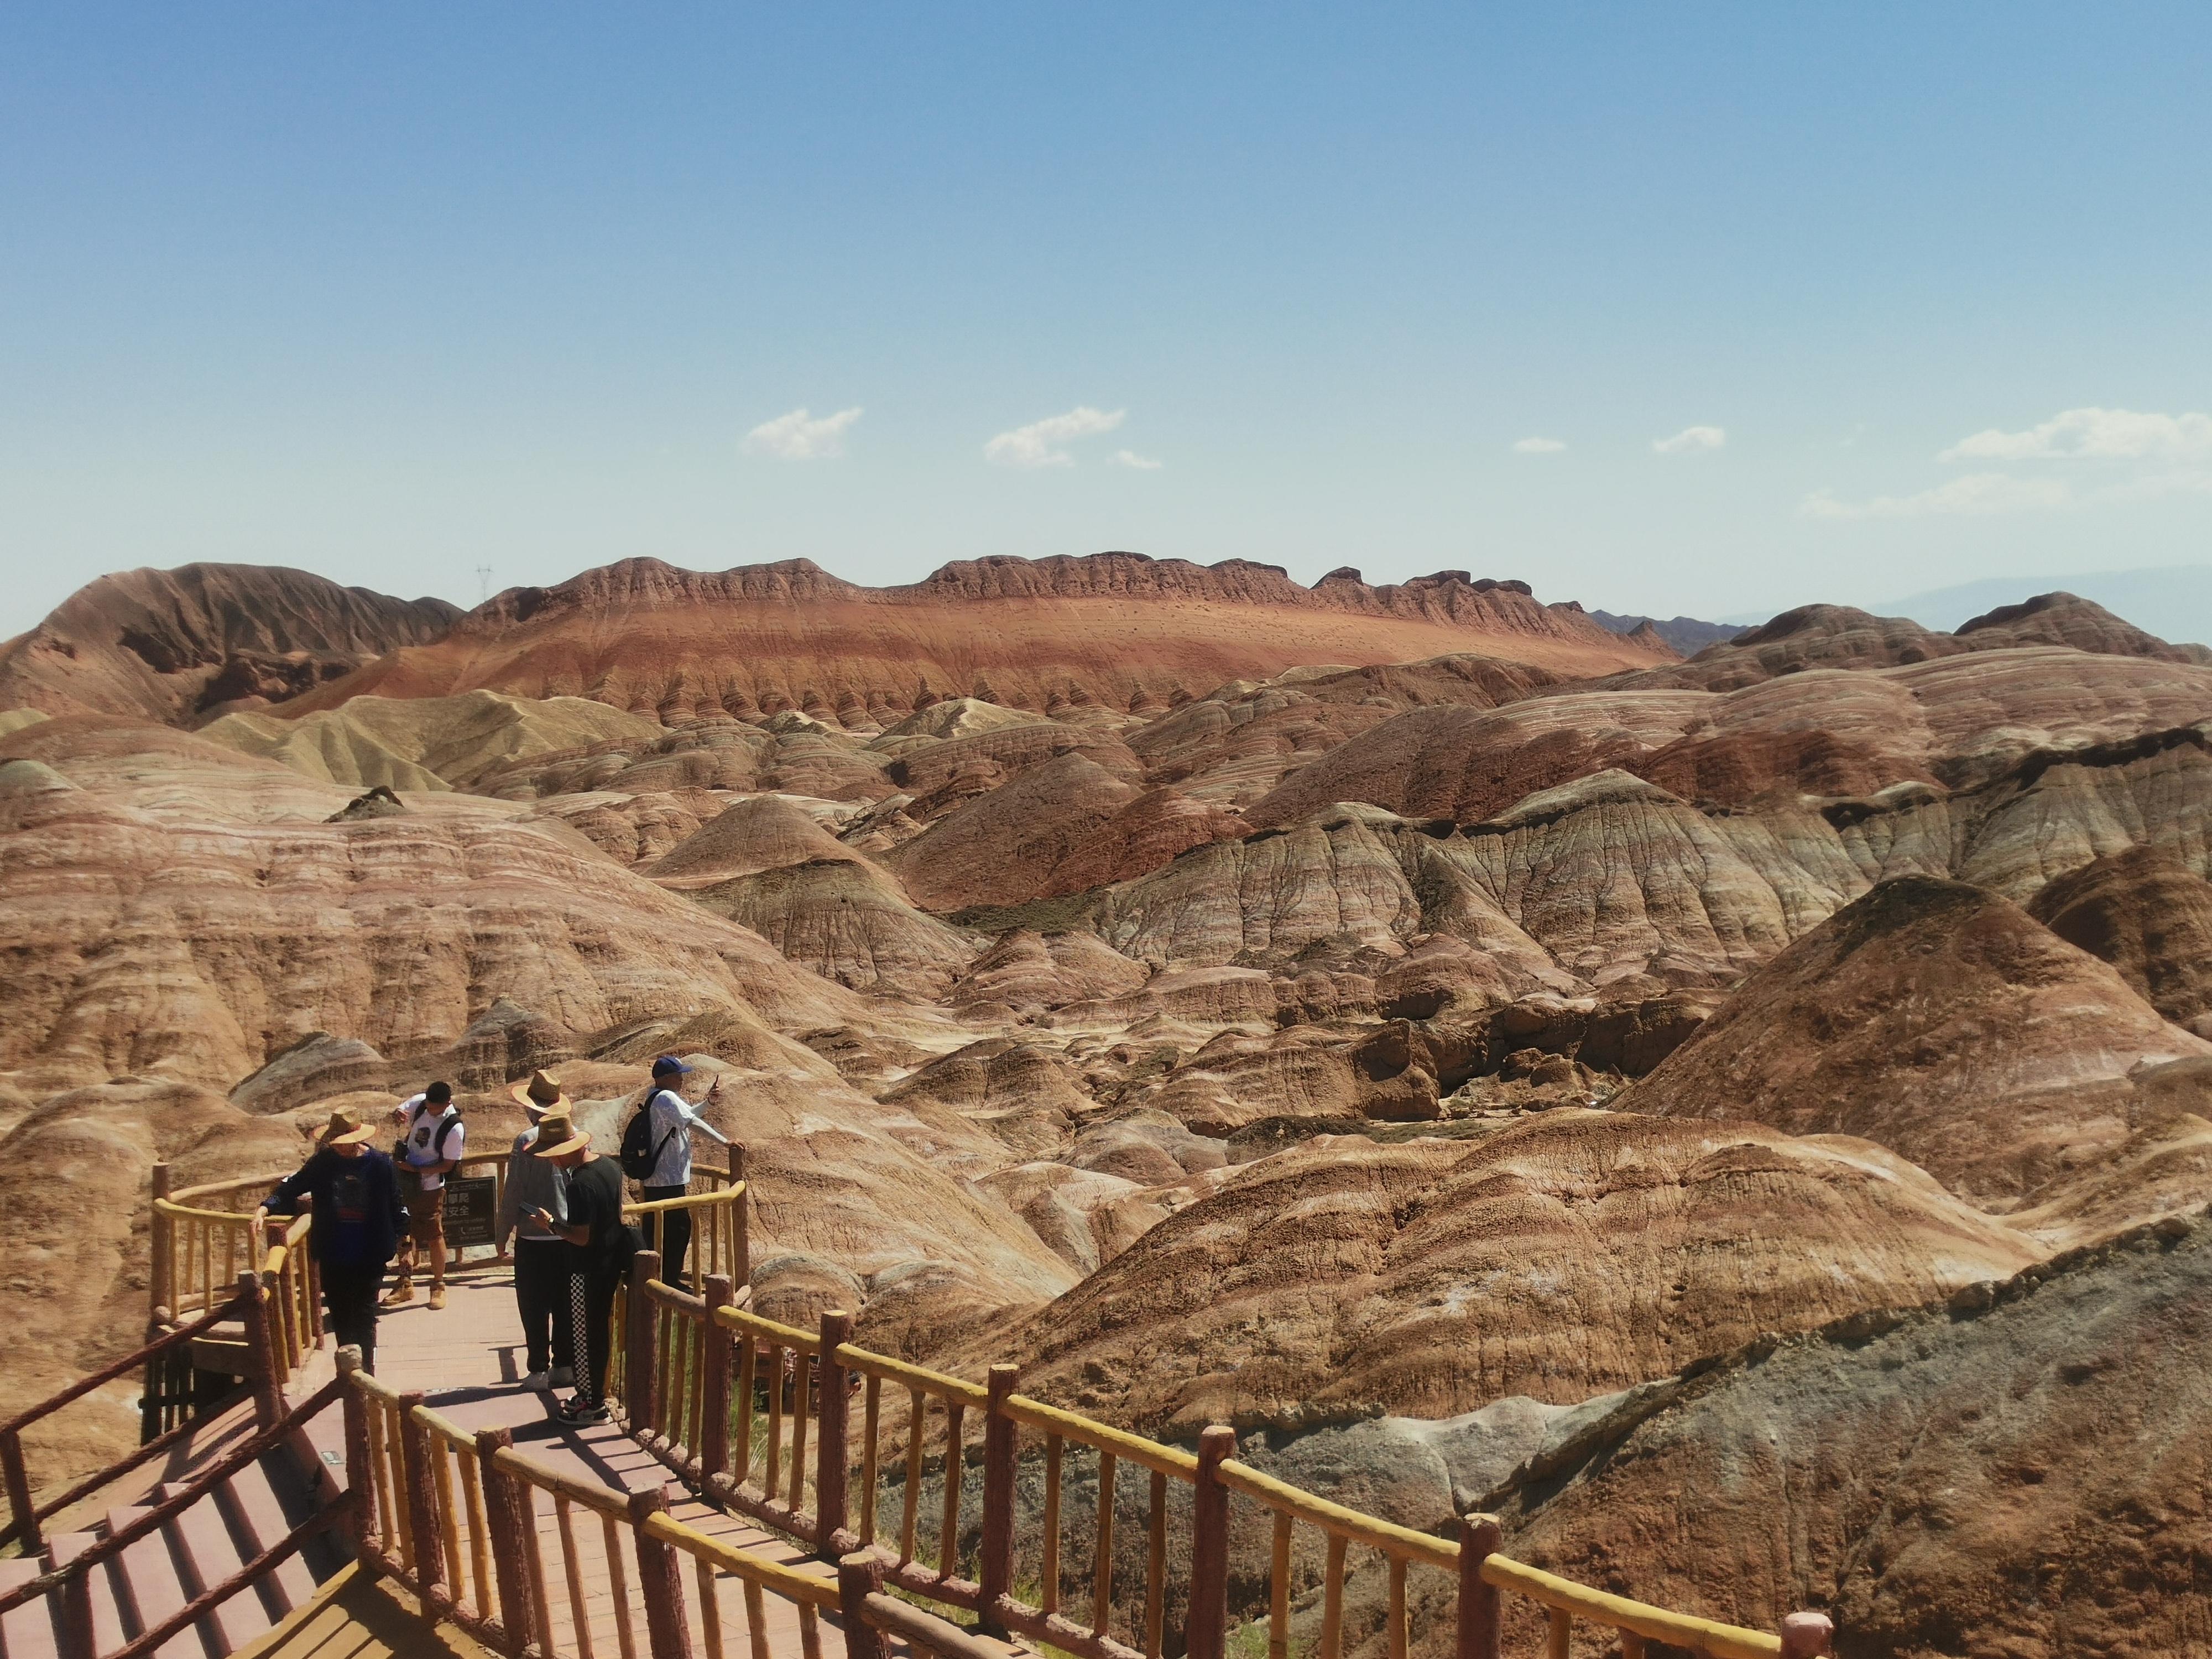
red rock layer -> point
(1117, 631)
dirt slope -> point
(2022, 1473)
(1577, 1252)
(166, 645)
(1940, 1020)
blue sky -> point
(395, 292)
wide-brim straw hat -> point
(575, 1142)
(540, 1093)
(344, 1129)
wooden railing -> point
(25, 1511)
(730, 1400)
(462, 1519)
(69, 1582)
(204, 1237)
(735, 1403)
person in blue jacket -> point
(359, 1221)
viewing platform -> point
(757, 1483)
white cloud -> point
(798, 436)
(2092, 434)
(1691, 441)
(1142, 463)
(1977, 495)
(1537, 446)
(1035, 445)
(2146, 456)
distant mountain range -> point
(1686, 633)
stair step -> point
(28, 1632)
(106, 1615)
(152, 1588)
(208, 1554)
(262, 1503)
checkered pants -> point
(590, 1306)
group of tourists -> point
(560, 1214)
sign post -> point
(471, 1211)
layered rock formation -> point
(1947, 1481)
(168, 645)
(1941, 1021)
(2147, 914)
(438, 743)
(1579, 1252)
(1116, 632)
(1219, 993)
(173, 912)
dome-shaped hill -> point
(1575, 1253)
(1940, 1020)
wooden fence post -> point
(261, 1340)
(421, 1500)
(510, 1517)
(659, 1581)
(833, 1400)
(1001, 1447)
(1806, 1635)
(21, 1509)
(640, 1385)
(859, 1577)
(713, 1449)
(1207, 1628)
(160, 1292)
(741, 1264)
(1478, 1620)
(361, 1476)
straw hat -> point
(540, 1095)
(557, 1133)
(344, 1128)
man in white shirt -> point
(432, 1139)
(669, 1120)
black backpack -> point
(639, 1157)
(448, 1120)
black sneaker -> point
(575, 1410)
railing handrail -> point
(1170, 1460)
(1358, 1527)
(784, 1336)
(113, 1369)
(919, 1378)
(724, 1194)
(1680, 1630)
(183, 1201)
(793, 1584)
(169, 1508)
(1401, 1546)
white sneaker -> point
(538, 1381)
(564, 1376)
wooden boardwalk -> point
(467, 1360)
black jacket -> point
(359, 1216)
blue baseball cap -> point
(668, 1064)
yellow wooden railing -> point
(732, 1400)
(736, 1402)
